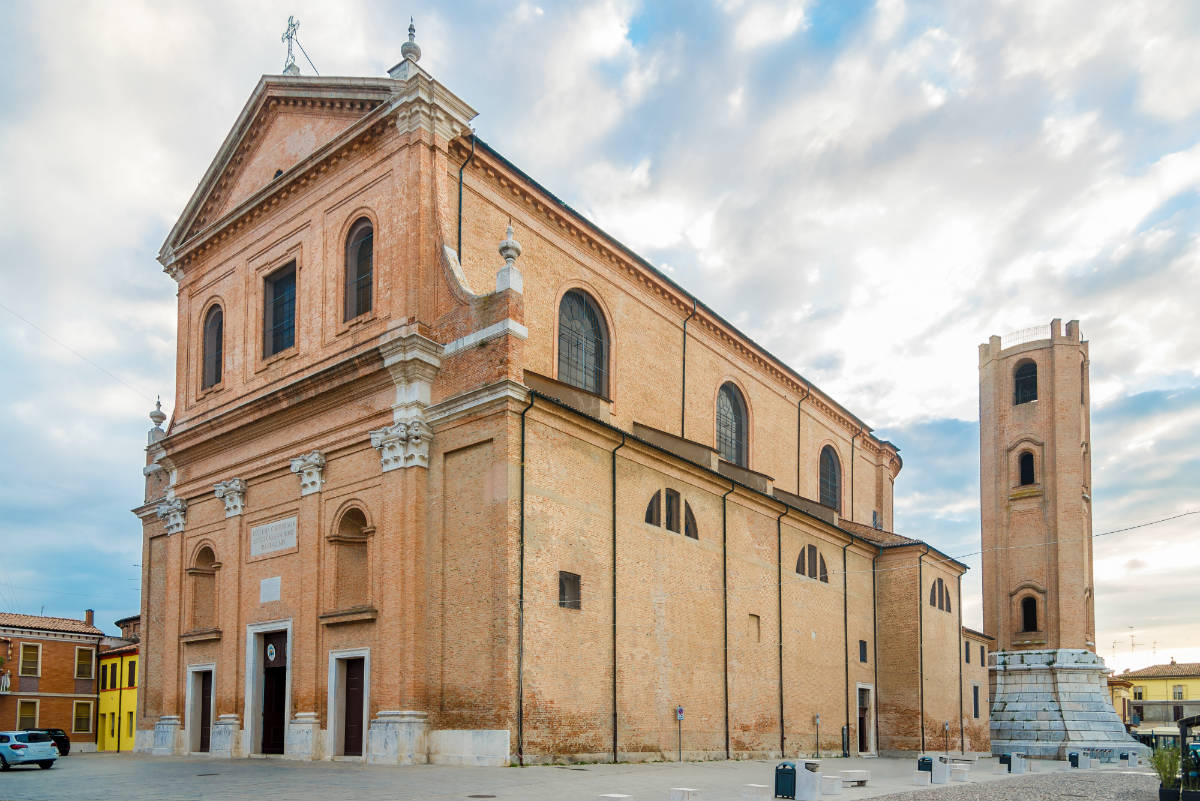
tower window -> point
(582, 344)
(360, 258)
(569, 595)
(967, 652)
(279, 311)
(831, 479)
(731, 425)
(213, 347)
(1025, 383)
(975, 700)
(1029, 617)
(862, 650)
(1026, 469)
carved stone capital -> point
(233, 493)
(311, 469)
(174, 511)
(403, 444)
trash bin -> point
(1006, 759)
(785, 780)
(925, 764)
(1073, 758)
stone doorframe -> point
(191, 706)
(252, 729)
(334, 709)
(874, 749)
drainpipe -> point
(807, 392)
(875, 649)
(857, 434)
(521, 603)
(614, 594)
(846, 645)
(725, 604)
(462, 167)
(779, 617)
(962, 736)
(921, 639)
(683, 381)
(120, 697)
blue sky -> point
(870, 189)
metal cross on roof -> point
(289, 66)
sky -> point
(869, 190)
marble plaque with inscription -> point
(278, 535)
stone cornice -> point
(491, 167)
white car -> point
(27, 747)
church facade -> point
(426, 498)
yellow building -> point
(118, 698)
(1164, 693)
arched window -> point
(654, 509)
(731, 425)
(1025, 383)
(689, 522)
(214, 347)
(811, 563)
(203, 577)
(1029, 617)
(831, 479)
(360, 263)
(1026, 465)
(672, 510)
(939, 595)
(351, 579)
(582, 344)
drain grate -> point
(208, 774)
(481, 795)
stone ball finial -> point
(157, 415)
(510, 249)
(410, 49)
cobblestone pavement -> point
(84, 777)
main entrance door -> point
(352, 745)
(205, 710)
(274, 691)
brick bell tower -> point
(1035, 472)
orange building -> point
(420, 503)
(48, 675)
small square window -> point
(755, 628)
(569, 592)
(862, 650)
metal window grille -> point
(1025, 383)
(280, 317)
(214, 325)
(831, 479)
(569, 590)
(360, 259)
(731, 425)
(582, 344)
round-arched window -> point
(831, 479)
(731, 425)
(582, 344)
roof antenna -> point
(289, 36)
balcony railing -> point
(1025, 335)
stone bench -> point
(960, 773)
(831, 784)
(855, 778)
(922, 777)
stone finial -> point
(157, 415)
(410, 50)
(509, 276)
(233, 493)
(311, 469)
(403, 444)
(174, 511)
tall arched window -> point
(1029, 617)
(731, 425)
(214, 347)
(203, 577)
(831, 479)
(1025, 383)
(1026, 466)
(351, 579)
(939, 595)
(360, 262)
(582, 344)
(811, 563)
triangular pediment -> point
(286, 120)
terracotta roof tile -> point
(47, 623)
(1167, 671)
(877, 535)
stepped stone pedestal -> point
(1047, 703)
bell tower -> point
(1035, 481)
(1035, 473)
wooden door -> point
(355, 674)
(274, 692)
(205, 710)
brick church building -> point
(422, 501)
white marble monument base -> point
(1048, 703)
(168, 739)
(225, 739)
(303, 739)
(489, 747)
(398, 737)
